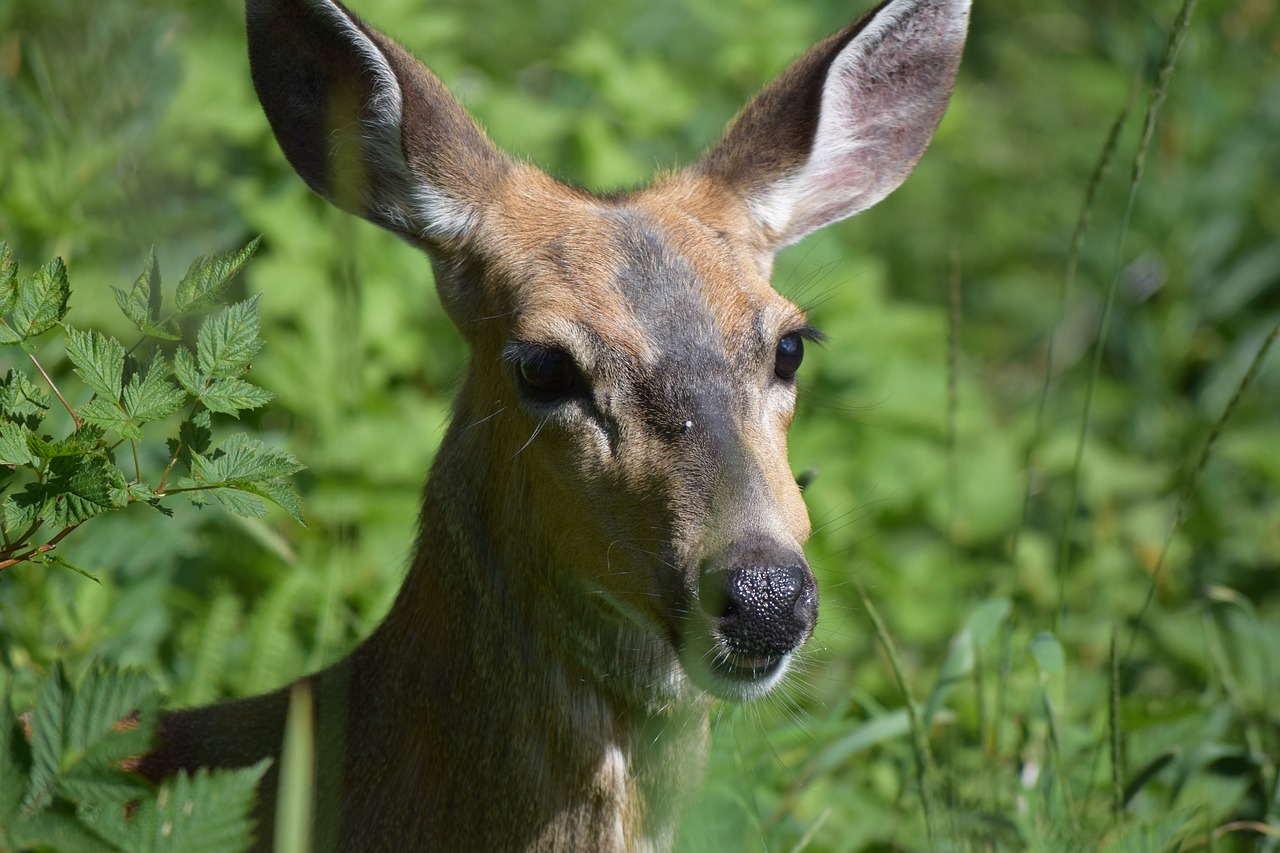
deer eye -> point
(789, 355)
(547, 375)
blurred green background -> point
(127, 123)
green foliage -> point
(64, 786)
(126, 126)
(70, 480)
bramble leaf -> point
(238, 501)
(108, 416)
(142, 303)
(186, 372)
(229, 340)
(195, 436)
(21, 400)
(281, 493)
(8, 279)
(42, 300)
(208, 812)
(231, 396)
(80, 487)
(99, 360)
(241, 458)
(14, 449)
(150, 396)
(208, 276)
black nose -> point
(760, 609)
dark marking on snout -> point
(761, 599)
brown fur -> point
(543, 679)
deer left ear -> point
(845, 124)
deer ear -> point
(845, 124)
(365, 124)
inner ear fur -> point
(845, 124)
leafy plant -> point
(64, 785)
(66, 481)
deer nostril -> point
(760, 609)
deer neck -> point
(528, 685)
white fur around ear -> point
(395, 196)
(882, 97)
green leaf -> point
(59, 560)
(47, 727)
(281, 493)
(111, 716)
(238, 502)
(80, 487)
(42, 300)
(107, 415)
(98, 359)
(15, 764)
(186, 372)
(244, 459)
(142, 303)
(22, 401)
(229, 340)
(230, 396)
(8, 279)
(13, 444)
(21, 511)
(209, 812)
(209, 276)
(150, 396)
(194, 436)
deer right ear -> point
(365, 124)
(845, 124)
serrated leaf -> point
(47, 727)
(150, 396)
(98, 359)
(13, 444)
(8, 335)
(8, 278)
(244, 459)
(59, 560)
(80, 487)
(111, 717)
(282, 494)
(15, 764)
(55, 830)
(42, 300)
(186, 371)
(238, 502)
(229, 340)
(231, 396)
(107, 415)
(209, 812)
(21, 511)
(142, 303)
(194, 436)
(22, 401)
(209, 276)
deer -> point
(611, 538)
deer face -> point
(638, 369)
(647, 376)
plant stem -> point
(71, 411)
(39, 549)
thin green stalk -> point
(78, 420)
(1193, 479)
(1177, 35)
(1101, 169)
(953, 398)
(925, 768)
(1117, 754)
